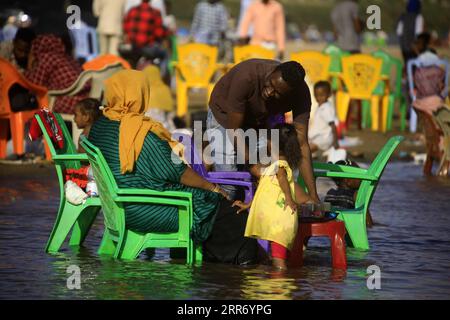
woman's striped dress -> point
(154, 169)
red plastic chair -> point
(334, 230)
(9, 76)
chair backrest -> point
(417, 63)
(197, 63)
(99, 77)
(9, 75)
(104, 60)
(242, 53)
(336, 55)
(367, 188)
(69, 146)
(97, 85)
(316, 64)
(113, 211)
(361, 73)
(85, 38)
(386, 68)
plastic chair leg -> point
(366, 120)
(403, 109)
(375, 112)
(83, 225)
(17, 123)
(338, 251)
(182, 99)
(107, 246)
(342, 105)
(132, 245)
(413, 121)
(48, 154)
(355, 224)
(390, 111)
(198, 254)
(3, 137)
(296, 254)
(67, 214)
(386, 113)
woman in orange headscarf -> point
(142, 154)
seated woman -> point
(50, 66)
(140, 154)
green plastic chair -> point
(336, 54)
(389, 62)
(174, 56)
(126, 244)
(355, 219)
(77, 218)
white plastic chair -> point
(85, 39)
(418, 63)
(97, 87)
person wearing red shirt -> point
(144, 30)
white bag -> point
(74, 194)
(334, 155)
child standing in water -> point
(87, 111)
(273, 211)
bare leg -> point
(279, 263)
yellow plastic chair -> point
(360, 75)
(242, 53)
(195, 68)
(315, 63)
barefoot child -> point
(322, 134)
(273, 211)
(87, 111)
(347, 191)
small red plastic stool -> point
(335, 230)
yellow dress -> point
(268, 219)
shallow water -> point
(410, 243)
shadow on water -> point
(410, 243)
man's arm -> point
(235, 120)
(305, 165)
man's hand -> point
(242, 206)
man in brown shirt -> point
(247, 96)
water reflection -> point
(410, 243)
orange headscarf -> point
(127, 95)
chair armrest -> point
(347, 211)
(153, 200)
(64, 157)
(241, 183)
(154, 193)
(242, 175)
(76, 87)
(337, 168)
(334, 174)
(330, 170)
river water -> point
(410, 243)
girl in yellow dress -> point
(273, 211)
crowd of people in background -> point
(144, 32)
